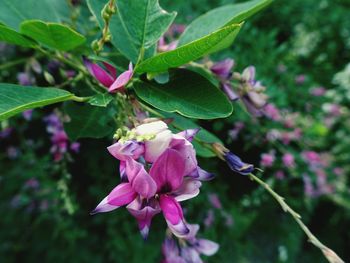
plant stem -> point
(331, 256)
(80, 99)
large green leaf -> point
(13, 37)
(15, 99)
(53, 35)
(14, 12)
(203, 136)
(187, 93)
(220, 17)
(137, 25)
(87, 121)
(216, 41)
(100, 100)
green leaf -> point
(203, 136)
(14, 12)
(87, 121)
(221, 17)
(214, 42)
(137, 25)
(187, 93)
(100, 100)
(13, 37)
(15, 99)
(53, 35)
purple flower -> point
(108, 76)
(267, 159)
(223, 68)
(272, 112)
(25, 79)
(32, 183)
(288, 160)
(319, 91)
(27, 115)
(75, 147)
(209, 218)
(300, 79)
(5, 133)
(280, 175)
(215, 201)
(173, 176)
(236, 164)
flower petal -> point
(185, 149)
(103, 206)
(141, 181)
(98, 73)
(122, 194)
(201, 175)
(223, 68)
(206, 247)
(144, 214)
(111, 69)
(168, 171)
(190, 255)
(122, 151)
(227, 89)
(236, 164)
(188, 189)
(173, 214)
(122, 80)
(189, 134)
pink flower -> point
(267, 159)
(215, 201)
(272, 112)
(311, 157)
(300, 79)
(288, 160)
(173, 176)
(280, 175)
(319, 91)
(108, 76)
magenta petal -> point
(140, 180)
(188, 189)
(99, 73)
(103, 206)
(111, 69)
(122, 171)
(143, 214)
(189, 134)
(122, 80)
(122, 151)
(168, 171)
(122, 194)
(172, 210)
(186, 150)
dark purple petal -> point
(236, 164)
(111, 69)
(168, 171)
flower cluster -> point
(59, 138)
(158, 170)
(188, 250)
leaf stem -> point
(80, 99)
(331, 256)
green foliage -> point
(100, 100)
(14, 12)
(220, 17)
(53, 35)
(211, 43)
(15, 99)
(88, 121)
(137, 25)
(187, 93)
(11, 36)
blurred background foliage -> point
(298, 48)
